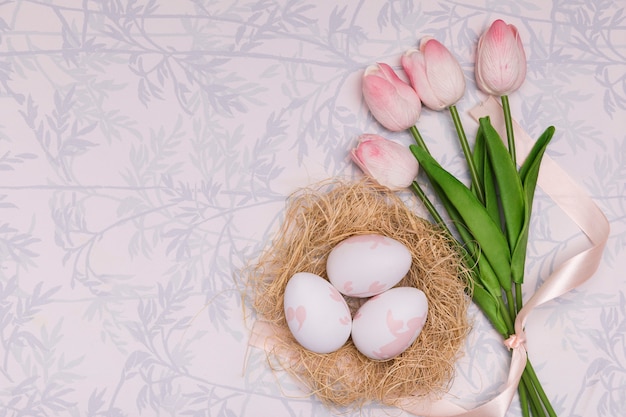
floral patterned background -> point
(146, 151)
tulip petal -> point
(435, 74)
(444, 74)
(388, 163)
(500, 60)
(391, 101)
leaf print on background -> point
(7, 160)
(16, 246)
(42, 375)
(608, 370)
(146, 151)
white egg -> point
(366, 265)
(387, 324)
(317, 314)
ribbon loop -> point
(515, 341)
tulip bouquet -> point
(491, 216)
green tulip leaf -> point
(490, 307)
(509, 184)
(485, 174)
(474, 216)
(529, 173)
(479, 155)
(488, 277)
(469, 251)
(536, 153)
(484, 274)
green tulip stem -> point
(467, 152)
(429, 206)
(518, 297)
(508, 122)
(511, 304)
(531, 393)
(531, 385)
(508, 321)
(523, 399)
(523, 388)
(530, 380)
(530, 371)
(529, 377)
(533, 409)
(418, 138)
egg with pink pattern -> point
(317, 314)
(389, 323)
(366, 265)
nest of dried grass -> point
(315, 221)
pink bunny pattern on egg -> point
(334, 295)
(375, 287)
(299, 314)
(403, 335)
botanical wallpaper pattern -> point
(147, 148)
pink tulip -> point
(388, 163)
(392, 102)
(435, 74)
(500, 60)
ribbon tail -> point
(496, 407)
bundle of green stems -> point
(491, 219)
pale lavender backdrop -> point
(146, 150)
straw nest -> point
(315, 221)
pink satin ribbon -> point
(571, 273)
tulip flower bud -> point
(435, 74)
(500, 60)
(388, 163)
(392, 102)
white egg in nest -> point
(317, 314)
(367, 265)
(389, 323)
